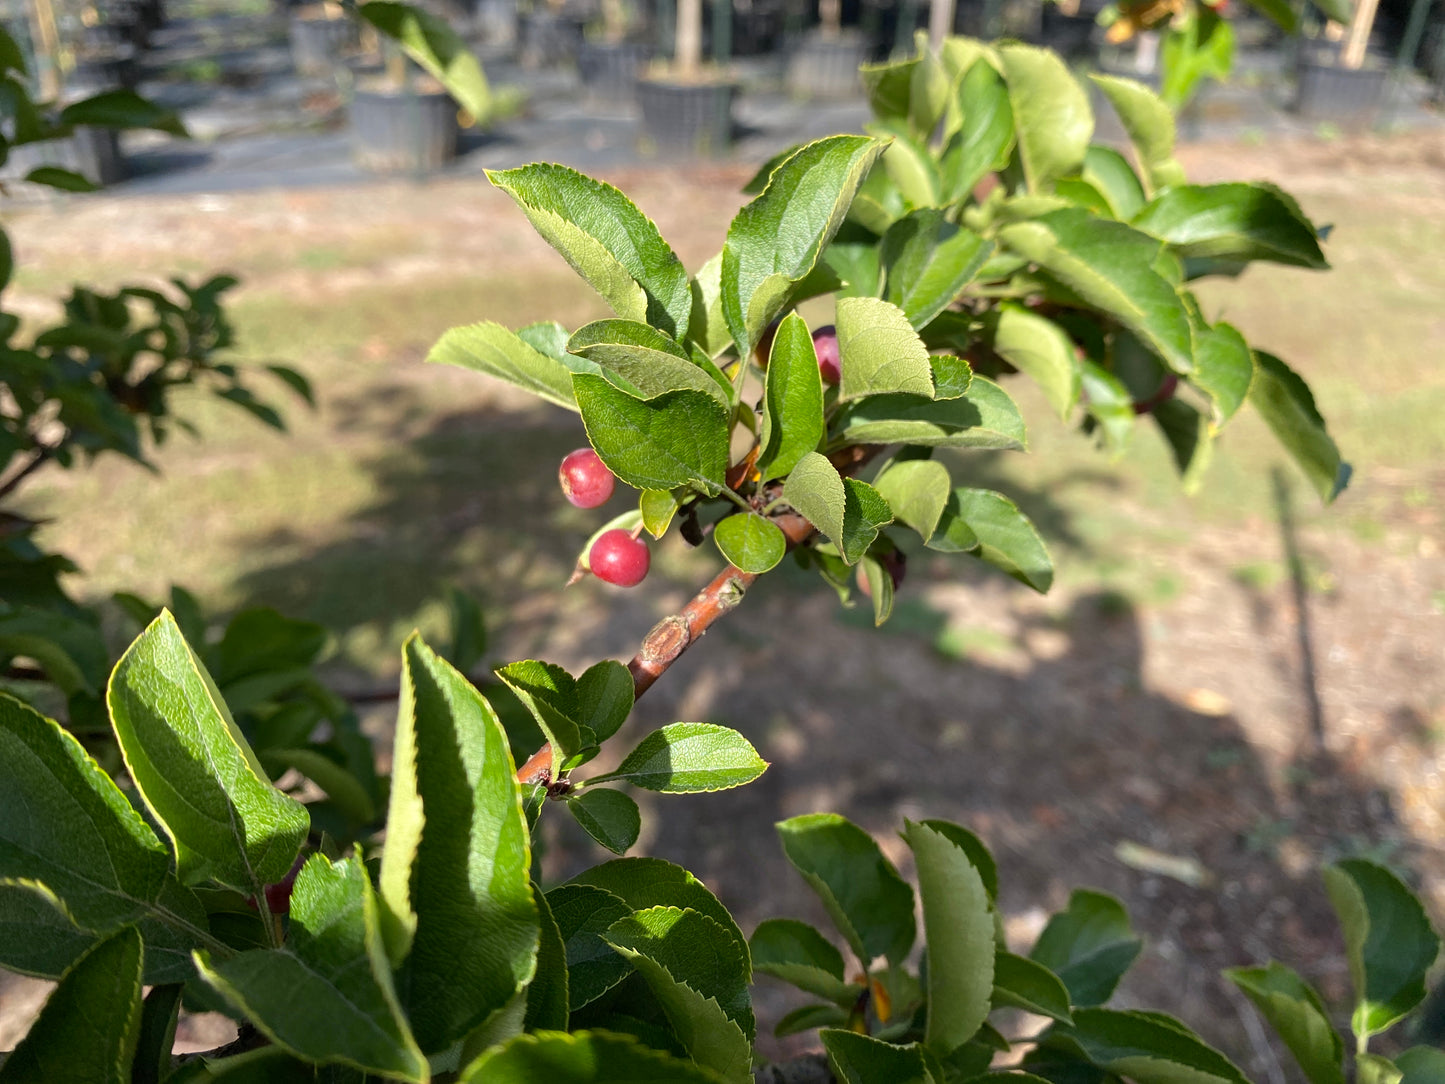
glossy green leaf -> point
(792, 401)
(90, 1023)
(547, 994)
(604, 698)
(1111, 266)
(985, 135)
(869, 903)
(195, 771)
(686, 758)
(1285, 403)
(978, 853)
(157, 1035)
(550, 694)
(1224, 368)
(1051, 113)
(327, 996)
(582, 914)
(1089, 945)
(983, 417)
(491, 349)
(1040, 349)
(880, 590)
(1149, 123)
(430, 40)
(910, 166)
(652, 882)
(679, 438)
(1233, 221)
(648, 361)
(958, 928)
(1298, 1015)
(583, 1058)
(1389, 942)
(121, 109)
(1025, 984)
(38, 936)
(929, 262)
(1007, 540)
(797, 953)
(951, 376)
(1149, 1048)
(879, 352)
(889, 88)
(690, 964)
(461, 926)
(750, 542)
(1422, 1065)
(862, 1059)
(1112, 176)
(657, 507)
(808, 1017)
(776, 239)
(1190, 436)
(63, 179)
(917, 490)
(608, 816)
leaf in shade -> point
(1089, 945)
(547, 993)
(685, 758)
(608, 816)
(430, 40)
(918, 491)
(1288, 408)
(862, 1059)
(1024, 984)
(604, 698)
(1298, 1015)
(583, 1058)
(1041, 350)
(797, 953)
(121, 109)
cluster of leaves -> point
(436, 957)
(888, 1023)
(450, 951)
(975, 234)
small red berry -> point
(825, 342)
(618, 558)
(585, 479)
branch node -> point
(668, 639)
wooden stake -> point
(1360, 26)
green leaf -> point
(1224, 368)
(1149, 123)
(1025, 984)
(750, 542)
(458, 905)
(985, 135)
(1149, 1048)
(121, 109)
(686, 758)
(890, 88)
(808, 1017)
(679, 438)
(1051, 113)
(657, 507)
(430, 41)
(1190, 437)
(652, 882)
(582, 1058)
(91, 1021)
(862, 1059)
(344, 789)
(1235, 222)
(879, 352)
(847, 511)
(797, 953)
(38, 935)
(951, 376)
(1281, 12)
(1111, 266)
(260, 640)
(63, 179)
(195, 771)
(604, 698)
(978, 854)
(647, 360)
(958, 928)
(1296, 1012)
(1288, 408)
(910, 166)
(491, 349)
(1109, 405)
(1422, 1065)
(1388, 942)
(1040, 349)
(930, 261)
(608, 816)
(792, 401)
(983, 417)
(582, 914)
(775, 240)
(550, 694)
(468, 628)
(1376, 1069)
(327, 996)
(1108, 171)
(702, 987)
(869, 903)
(708, 327)
(1089, 945)
(547, 993)
(1007, 540)
(157, 1035)
(918, 491)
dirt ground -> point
(1227, 724)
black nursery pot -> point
(696, 117)
(609, 70)
(1325, 91)
(317, 41)
(113, 67)
(94, 153)
(820, 67)
(399, 130)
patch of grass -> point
(1258, 575)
